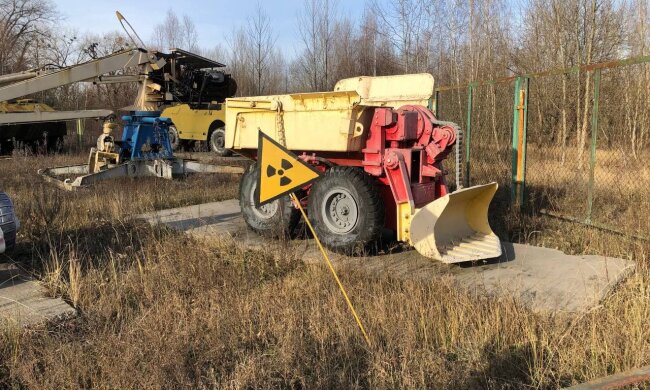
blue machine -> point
(145, 136)
(144, 150)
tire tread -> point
(371, 206)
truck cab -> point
(197, 90)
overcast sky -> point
(214, 19)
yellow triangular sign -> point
(281, 172)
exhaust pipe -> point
(455, 228)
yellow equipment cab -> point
(192, 125)
(197, 90)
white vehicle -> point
(9, 224)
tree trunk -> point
(587, 100)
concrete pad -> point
(22, 300)
(542, 278)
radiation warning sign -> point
(281, 172)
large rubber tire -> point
(217, 141)
(347, 210)
(277, 219)
(174, 139)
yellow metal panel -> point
(329, 121)
(194, 124)
(390, 91)
(404, 214)
(322, 121)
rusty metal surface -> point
(616, 381)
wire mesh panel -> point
(451, 105)
(588, 141)
(621, 176)
(491, 135)
(488, 133)
(557, 160)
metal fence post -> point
(594, 139)
(436, 105)
(519, 140)
(515, 141)
(468, 133)
(81, 127)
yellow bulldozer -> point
(381, 152)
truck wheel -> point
(276, 219)
(347, 210)
(174, 139)
(217, 142)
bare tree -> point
(402, 23)
(189, 39)
(367, 41)
(218, 52)
(316, 26)
(21, 23)
(344, 51)
(637, 116)
(238, 61)
(175, 33)
(261, 41)
(255, 63)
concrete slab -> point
(22, 301)
(542, 278)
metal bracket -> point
(166, 169)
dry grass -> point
(160, 310)
(556, 182)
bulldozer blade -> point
(455, 228)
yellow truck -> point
(192, 126)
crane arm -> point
(88, 71)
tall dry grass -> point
(160, 310)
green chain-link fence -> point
(568, 143)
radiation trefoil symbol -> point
(285, 165)
(280, 171)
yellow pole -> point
(331, 267)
